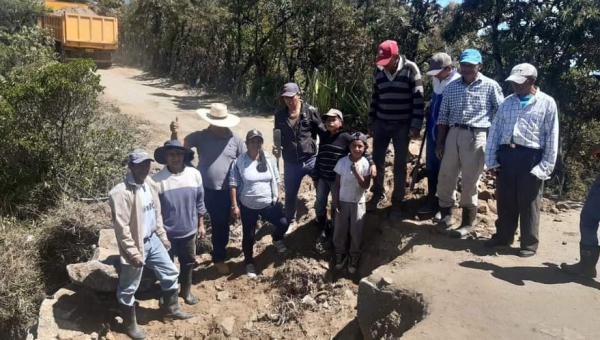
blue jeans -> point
(218, 205)
(158, 260)
(383, 132)
(292, 175)
(590, 216)
(273, 214)
(323, 190)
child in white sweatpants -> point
(351, 183)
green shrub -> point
(54, 139)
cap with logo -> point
(138, 156)
(438, 62)
(386, 51)
(253, 134)
(290, 90)
(521, 72)
(334, 113)
(470, 56)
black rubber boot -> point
(170, 306)
(586, 266)
(185, 278)
(447, 220)
(468, 223)
(130, 322)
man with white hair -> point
(522, 149)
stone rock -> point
(308, 300)
(94, 275)
(413, 150)
(554, 210)
(562, 206)
(227, 325)
(493, 206)
(386, 311)
(107, 256)
(65, 334)
(94, 336)
(110, 336)
(482, 207)
(486, 195)
(222, 296)
(108, 240)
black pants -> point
(519, 195)
(273, 214)
(184, 249)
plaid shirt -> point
(534, 126)
(470, 104)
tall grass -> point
(325, 93)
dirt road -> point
(159, 102)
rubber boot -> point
(170, 306)
(586, 266)
(447, 221)
(468, 223)
(130, 322)
(186, 284)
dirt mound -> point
(73, 10)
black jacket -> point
(299, 144)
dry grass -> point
(21, 287)
(296, 279)
(69, 236)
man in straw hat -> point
(522, 149)
(182, 201)
(217, 148)
(142, 240)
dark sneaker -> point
(353, 264)
(374, 202)
(340, 260)
(526, 253)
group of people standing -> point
(469, 125)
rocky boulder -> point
(386, 309)
(94, 275)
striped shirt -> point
(534, 126)
(182, 200)
(470, 104)
(398, 97)
(331, 149)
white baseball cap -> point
(520, 73)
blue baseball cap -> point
(470, 56)
(138, 156)
(596, 74)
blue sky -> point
(444, 3)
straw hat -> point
(217, 115)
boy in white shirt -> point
(352, 180)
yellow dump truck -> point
(80, 33)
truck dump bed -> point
(80, 33)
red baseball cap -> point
(386, 51)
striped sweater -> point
(331, 149)
(398, 97)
